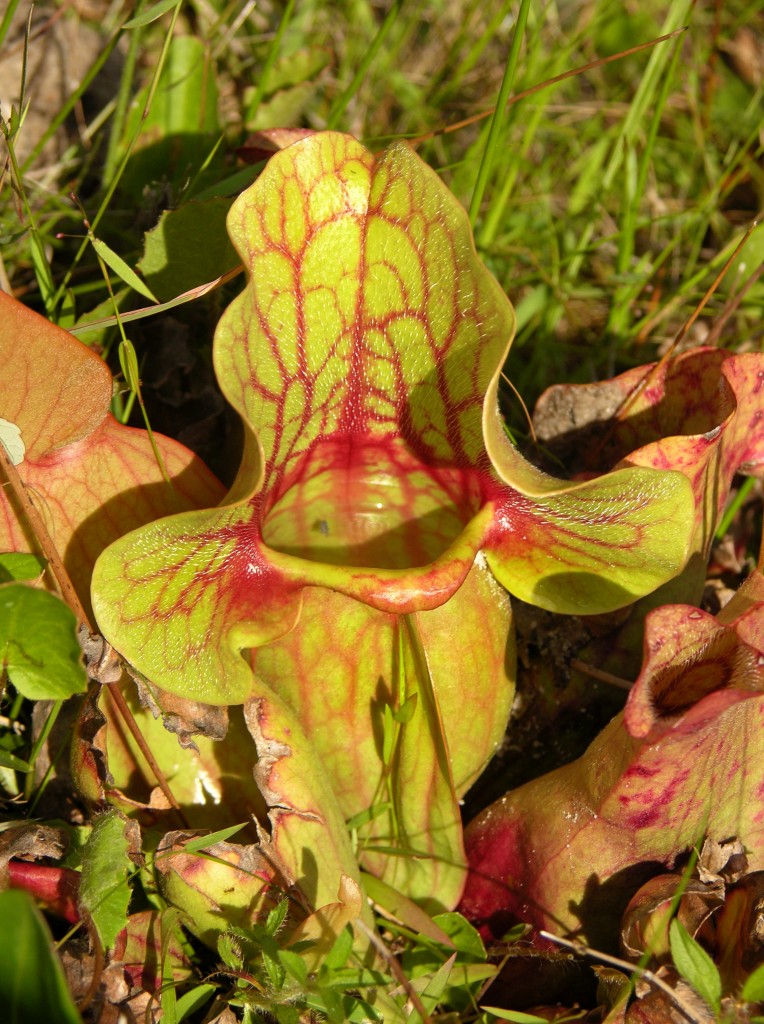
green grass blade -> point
(122, 270)
(122, 104)
(486, 164)
(635, 183)
(341, 103)
(628, 132)
(112, 187)
(152, 14)
(270, 60)
(5, 24)
(71, 101)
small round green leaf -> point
(38, 644)
(17, 565)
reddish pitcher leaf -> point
(684, 760)
(151, 947)
(700, 413)
(91, 478)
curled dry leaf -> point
(185, 718)
(645, 924)
(721, 863)
(102, 662)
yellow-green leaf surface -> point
(587, 547)
(307, 829)
(438, 753)
(306, 847)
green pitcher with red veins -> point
(352, 589)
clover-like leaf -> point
(38, 644)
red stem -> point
(58, 888)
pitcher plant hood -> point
(363, 557)
(364, 357)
